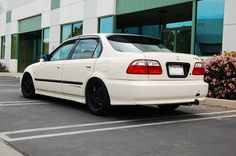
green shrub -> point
(221, 75)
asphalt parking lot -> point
(53, 127)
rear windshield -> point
(126, 43)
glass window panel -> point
(14, 41)
(179, 24)
(85, 49)
(210, 14)
(2, 47)
(136, 44)
(106, 25)
(45, 41)
(66, 32)
(97, 51)
(77, 29)
(151, 30)
(119, 31)
(132, 30)
(62, 53)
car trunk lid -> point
(175, 66)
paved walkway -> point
(6, 150)
(6, 74)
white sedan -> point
(102, 70)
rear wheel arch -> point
(97, 97)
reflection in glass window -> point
(70, 30)
(151, 30)
(85, 49)
(210, 14)
(62, 53)
(179, 24)
(77, 29)
(14, 41)
(66, 32)
(135, 44)
(106, 25)
(45, 41)
(132, 30)
(147, 30)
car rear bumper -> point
(123, 92)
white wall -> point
(2, 17)
(229, 33)
(70, 11)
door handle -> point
(88, 66)
(58, 67)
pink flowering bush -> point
(220, 74)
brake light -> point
(144, 67)
(198, 69)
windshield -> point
(126, 43)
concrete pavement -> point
(7, 74)
(6, 150)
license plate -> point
(176, 70)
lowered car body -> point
(102, 70)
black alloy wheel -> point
(97, 98)
(27, 86)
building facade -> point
(32, 28)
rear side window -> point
(126, 43)
(87, 48)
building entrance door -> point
(29, 49)
(177, 39)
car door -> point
(48, 73)
(80, 66)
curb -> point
(221, 103)
(7, 150)
(12, 75)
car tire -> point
(27, 86)
(168, 107)
(97, 98)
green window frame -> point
(55, 4)
(45, 41)
(71, 30)
(14, 46)
(77, 28)
(30, 24)
(2, 56)
(209, 27)
(106, 24)
(8, 17)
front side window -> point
(126, 43)
(87, 48)
(63, 52)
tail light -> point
(144, 67)
(198, 69)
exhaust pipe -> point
(195, 102)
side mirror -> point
(45, 58)
(41, 60)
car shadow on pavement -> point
(118, 112)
